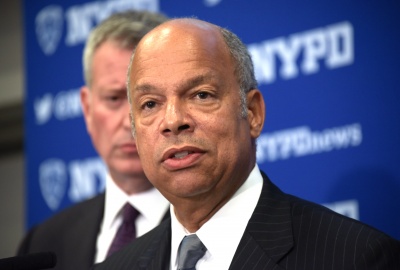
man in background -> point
(196, 114)
(90, 231)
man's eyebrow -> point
(190, 83)
(145, 88)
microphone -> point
(33, 261)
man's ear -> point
(256, 112)
(86, 106)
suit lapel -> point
(268, 236)
(251, 255)
(82, 244)
(158, 253)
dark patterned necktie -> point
(190, 251)
(127, 231)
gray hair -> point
(124, 28)
(244, 69)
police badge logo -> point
(53, 182)
(49, 25)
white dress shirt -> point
(222, 233)
(151, 205)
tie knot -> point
(190, 251)
(129, 213)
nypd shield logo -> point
(49, 26)
(53, 182)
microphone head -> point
(33, 261)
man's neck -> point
(193, 212)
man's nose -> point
(176, 118)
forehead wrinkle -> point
(198, 80)
(144, 88)
(190, 83)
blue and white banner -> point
(329, 72)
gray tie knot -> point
(190, 251)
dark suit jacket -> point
(71, 234)
(284, 232)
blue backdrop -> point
(329, 72)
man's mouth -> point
(176, 159)
(128, 147)
(182, 154)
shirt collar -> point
(115, 199)
(222, 233)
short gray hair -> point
(244, 69)
(124, 28)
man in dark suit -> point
(196, 114)
(84, 233)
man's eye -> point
(149, 105)
(113, 98)
(114, 101)
(203, 95)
